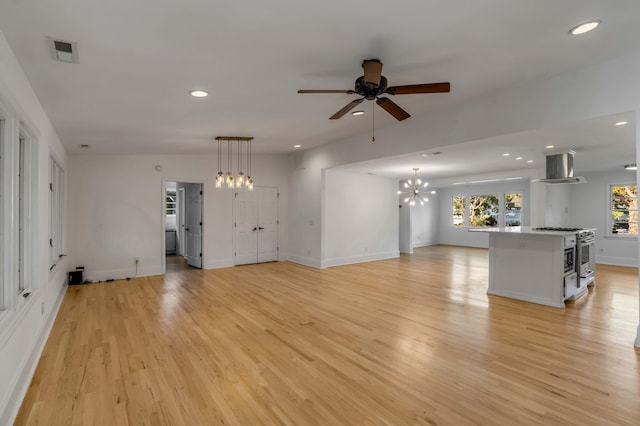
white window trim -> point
(609, 220)
(501, 208)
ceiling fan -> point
(373, 84)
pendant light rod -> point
(234, 138)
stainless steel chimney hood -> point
(560, 169)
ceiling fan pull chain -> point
(373, 122)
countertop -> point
(525, 230)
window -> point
(56, 227)
(459, 210)
(487, 210)
(18, 179)
(484, 210)
(171, 201)
(512, 209)
(623, 209)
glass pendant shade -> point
(241, 179)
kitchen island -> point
(532, 265)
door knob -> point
(255, 228)
(260, 227)
(186, 229)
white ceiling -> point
(139, 59)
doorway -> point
(256, 226)
(183, 226)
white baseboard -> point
(525, 298)
(464, 243)
(306, 261)
(23, 379)
(617, 261)
(369, 257)
(424, 243)
(120, 274)
(217, 264)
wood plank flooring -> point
(414, 340)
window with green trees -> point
(512, 209)
(484, 210)
(624, 209)
(487, 210)
(459, 210)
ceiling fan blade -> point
(372, 71)
(326, 91)
(419, 88)
(346, 109)
(392, 108)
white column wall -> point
(360, 218)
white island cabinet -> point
(529, 265)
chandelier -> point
(412, 190)
(241, 179)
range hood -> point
(560, 169)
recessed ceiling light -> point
(529, 161)
(518, 158)
(297, 146)
(433, 192)
(584, 28)
(621, 123)
(430, 154)
(357, 113)
(630, 167)
(550, 146)
(199, 93)
(506, 154)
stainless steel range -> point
(583, 275)
(585, 265)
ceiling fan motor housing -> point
(368, 90)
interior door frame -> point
(163, 209)
(233, 221)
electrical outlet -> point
(136, 261)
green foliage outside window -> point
(624, 209)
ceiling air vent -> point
(64, 51)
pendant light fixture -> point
(229, 175)
(241, 179)
(412, 190)
(249, 180)
(220, 175)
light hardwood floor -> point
(413, 340)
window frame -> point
(18, 213)
(609, 212)
(502, 209)
(56, 213)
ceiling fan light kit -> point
(373, 84)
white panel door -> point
(256, 226)
(193, 213)
(267, 224)
(246, 227)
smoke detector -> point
(63, 51)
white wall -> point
(557, 204)
(360, 218)
(589, 209)
(424, 222)
(460, 236)
(404, 217)
(116, 206)
(23, 331)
